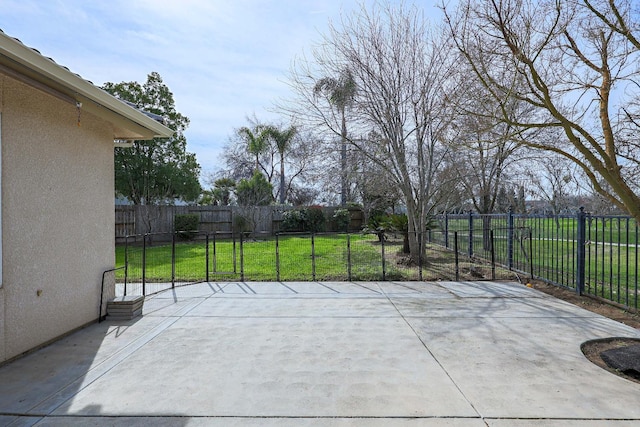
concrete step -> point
(125, 308)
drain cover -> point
(624, 359)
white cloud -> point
(223, 60)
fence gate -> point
(222, 256)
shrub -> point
(186, 225)
(293, 220)
(342, 219)
(305, 219)
(241, 224)
(398, 222)
(315, 219)
(378, 225)
(255, 191)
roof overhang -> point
(29, 66)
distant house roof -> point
(28, 65)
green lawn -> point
(611, 229)
(332, 257)
(258, 260)
(611, 267)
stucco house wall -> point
(57, 204)
(57, 221)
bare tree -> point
(574, 63)
(400, 66)
(554, 180)
(372, 186)
(482, 149)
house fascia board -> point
(24, 60)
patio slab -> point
(295, 307)
(260, 422)
(277, 367)
(490, 307)
(337, 354)
(525, 367)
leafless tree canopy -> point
(468, 113)
(575, 64)
(400, 116)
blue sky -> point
(223, 60)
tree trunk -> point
(282, 190)
(413, 230)
(343, 162)
(405, 243)
(486, 232)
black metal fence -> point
(591, 254)
(594, 255)
(149, 264)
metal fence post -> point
(446, 230)
(313, 257)
(580, 256)
(144, 264)
(277, 257)
(510, 238)
(455, 251)
(126, 263)
(215, 254)
(241, 257)
(173, 260)
(384, 265)
(470, 248)
(531, 253)
(348, 256)
(493, 257)
(421, 247)
(235, 260)
(206, 254)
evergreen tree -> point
(159, 170)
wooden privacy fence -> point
(131, 220)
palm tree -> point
(256, 140)
(283, 140)
(341, 93)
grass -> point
(290, 258)
(603, 229)
(611, 253)
(611, 267)
(258, 260)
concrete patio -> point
(328, 354)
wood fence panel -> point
(132, 220)
(125, 221)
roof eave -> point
(17, 56)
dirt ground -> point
(605, 309)
(593, 349)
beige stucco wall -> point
(57, 216)
(2, 317)
(2, 326)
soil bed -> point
(593, 351)
(605, 309)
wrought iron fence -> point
(593, 255)
(107, 291)
(150, 264)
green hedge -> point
(186, 225)
(304, 219)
